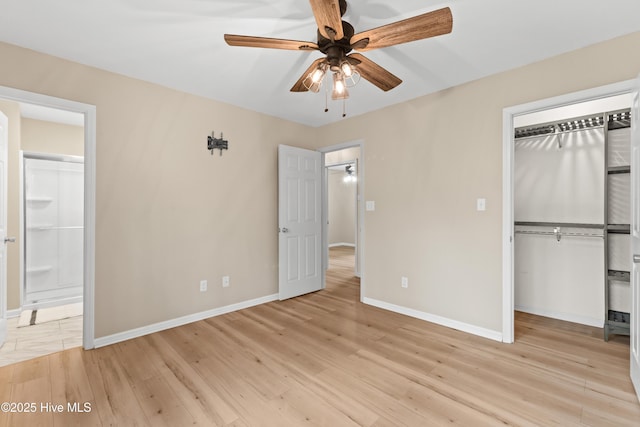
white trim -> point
(508, 114)
(13, 313)
(507, 228)
(89, 112)
(567, 317)
(21, 277)
(334, 245)
(439, 320)
(360, 252)
(179, 321)
(4, 127)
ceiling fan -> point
(336, 38)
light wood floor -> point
(326, 359)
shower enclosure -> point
(53, 209)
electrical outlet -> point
(203, 285)
(404, 281)
(225, 281)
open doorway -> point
(51, 141)
(343, 212)
(45, 303)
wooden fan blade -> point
(328, 18)
(299, 86)
(266, 42)
(419, 27)
(377, 75)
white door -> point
(635, 238)
(299, 221)
(4, 136)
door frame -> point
(360, 216)
(4, 122)
(89, 112)
(508, 115)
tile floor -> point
(33, 341)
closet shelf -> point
(39, 199)
(619, 119)
(39, 227)
(557, 224)
(618, 328)
(620, 317)
(611, 170)
(616, 322)
(41, 269)
(619, 228)
(52, 227)
(620, 276)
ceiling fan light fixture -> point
(339, 87)
(313, 81)
(315, 86)
(318, 74)
(347, 69)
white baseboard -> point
(567, 317)
(13, 313)
(334, 245)
(3, 331)
(443, 321)
(167, 324)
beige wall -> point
(55, 138)
(341, 208)
(447, 151)
(341, 201)
(168, 214)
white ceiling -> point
(48, 114)
(179, 44)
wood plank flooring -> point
(325, 359)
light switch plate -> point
(370, 205)
(481, 204)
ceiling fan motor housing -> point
(336, 50)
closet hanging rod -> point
(557, 224)
(562, 234)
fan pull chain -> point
(344, 107)
(326, 100)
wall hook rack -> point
(219, 143)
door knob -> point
(285, 230)
(636, 258)
(9, 239)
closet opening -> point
(571, 214)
